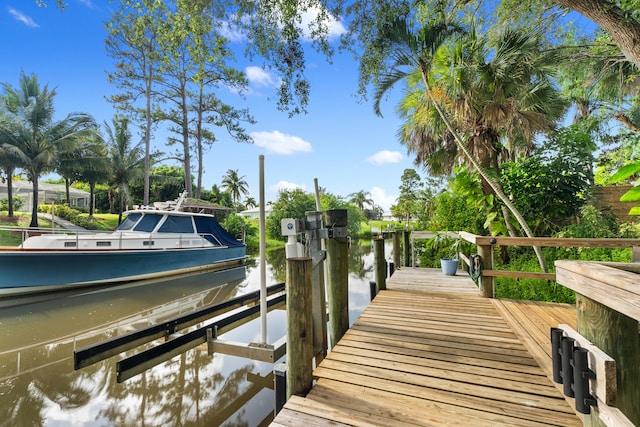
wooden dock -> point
(429, 351)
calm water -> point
(38, 386)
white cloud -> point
(87, 3)
(21, 17)
(382, 199)
(385, 156)
(336, 28)
(286, 185)
(259, 77)
(277, 142)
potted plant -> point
(444, 243)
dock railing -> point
(608, 320)
(485, 245)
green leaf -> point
(632, 195)
(625, 172)
(490, 217)
(635, 210)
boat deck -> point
(429, 351)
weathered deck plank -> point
(431, 352)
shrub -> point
(18, 202)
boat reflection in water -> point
(38, 385)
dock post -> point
(373, 289)
(319, 312)
(280, 385)
(396, 248)
(337, 274)
(299, 326)
(486, 282)
(617, 335)
(380, 264)
(406, 248)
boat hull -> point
(27, 271)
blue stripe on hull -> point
(24, 269)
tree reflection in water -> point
(38, 386)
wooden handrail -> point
(485, 243)
(549, 241)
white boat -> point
(149, 243)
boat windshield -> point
(129, 222)
(177, 224)
(148, 222)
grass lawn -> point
(104, 222)
(20, 219)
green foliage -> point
(18, 202)
(240, 227)
(290, 204)
(551, 185)
(295, 203)
(633, 195)
(355, 216)
(72, 215)
(442, 245)
(408, 201)
(453, 211)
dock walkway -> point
(429, 351)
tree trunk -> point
(67, 184)
(10, 190)
(185, 145)
(92, 191)
(147, 140)
(34, 208)
(624, 30)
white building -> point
(255, 212)
(47, 194)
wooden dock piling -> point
(380, 264)
(396, 248)
(299, 326)
(337, 276)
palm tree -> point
(8, 164)
(36, 138)
(127, 160)
(360, 199)
(86, 162)
(250, 202)
(473, 100)
(235, 185)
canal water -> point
(39, 387)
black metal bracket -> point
(581, 376)
(570, 368)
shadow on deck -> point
(429, 351)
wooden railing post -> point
(616, 335)
(380, 264)
(396, 248)
(406, 248)
(299, 326)
(337, 276)
(486, 282)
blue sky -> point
(341, 142)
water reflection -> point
(38, 386)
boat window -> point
(69, 244)
(103, 244)
(148, 223)
(129, 221)
(177, 224)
